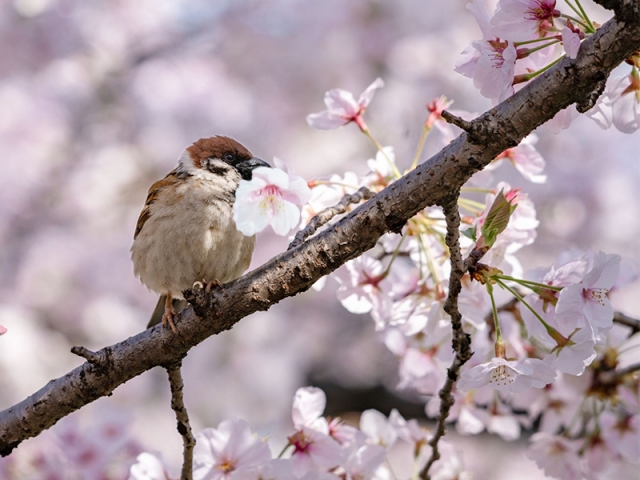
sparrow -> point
(186, 232)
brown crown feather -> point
(216, 147)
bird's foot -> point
(208, 286)
(169, 315)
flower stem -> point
(423, 137)
(476, 190)
(494, 309)
(584, 15)
(528, 42)
(524, 302)
(394, 255)
(471, 205)
(574, 19)
(528, 76)
(533, 50)
(393, 166)
(286, 447)
(529, 284)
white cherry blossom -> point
(343, 108)
(588, 298)
(520, 20)
(220, 453)
(269, 198)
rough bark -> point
(294, 271)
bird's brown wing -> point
(154, 192)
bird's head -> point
(219, 155)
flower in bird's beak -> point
(271, 197)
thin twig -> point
(622, 319)
(457, 121)
(182, 417)
(328, 213)
(460, 342)
(88, 355)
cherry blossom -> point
(525, 158)
(570, 41)
(342, 108)
(269, 198)
(220, 453)
(508, 375)
(313, 447)
(363, 460)
(622, 434)
(588, 298)
(363, 287)
(557, 456)
(308, 406)
(3, 330)
(378, 428)
(148, 467)
(435, 109)
(276, 469)
(521, 20)
(314, 450)
(490, 61)
(624, 96)
(382, 167)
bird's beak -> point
(245, 168)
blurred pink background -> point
(98, 100)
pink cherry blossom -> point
(622, 434)
(363, 287)
(378, 428)
(276, 469)
(435, 109)
(314, 450)
(409, 430)
(526, 159)
(557, 456)
(570, 42)
(624, 96)
(508, 375)
(270, 197)
(521, 20)
(308, 406)
(220, 453)
(342, 108)
(562, 119)
(362, 461)
(313, 446)
(490, 61)
(544, 301)
(3, 330)
(588, 298)
(575, 353)
(382, 167)
(148, 467)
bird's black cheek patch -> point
(217, 170)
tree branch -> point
(327, 214)
(460, 342)
(294, 271)
(182, 417)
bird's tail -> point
(156, 316)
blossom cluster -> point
(317, 449)
(523, 38)
(551, 333)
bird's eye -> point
(229, 157)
